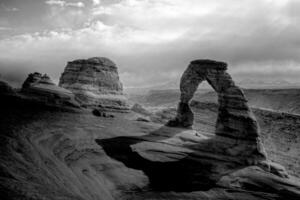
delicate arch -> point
(235, 118)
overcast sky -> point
(151, 41)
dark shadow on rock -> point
(201, 168)
(183, 175)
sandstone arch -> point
(235, 118)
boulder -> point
(41, 88)
(143, 119)
(101, 113)
(140, 109)
(95, 82)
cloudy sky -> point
(151, 41)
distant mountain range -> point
(280, 100)
(264, 84)
(245, 83)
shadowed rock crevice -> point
(181, 171)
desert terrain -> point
(84, 141)
(53, 153)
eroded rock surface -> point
(95, 82)
(41, 88)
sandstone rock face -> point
(235, 118)
(95, 82)
(31, 79)
(41, 88)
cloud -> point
(5, 28)
(96, 2)
(65, 4)
(8, 8)
(56, 2)
(153, 41)
(77, 4)
(12, 9)
(249, 30)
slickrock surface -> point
(95, 81)
(49, 154)
(41, 88)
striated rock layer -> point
(41, 88)
(95, 82)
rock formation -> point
(31, 79)
(235, 118)
(41, 88)
(140, 109)
(5, 88)
(95, 82)
(180, 159)
(56, 154)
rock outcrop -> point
(140, 109)
(41, 88)
(95, 82)
(32, 79)
(235, 118)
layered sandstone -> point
(95, 82)
(41, 88)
